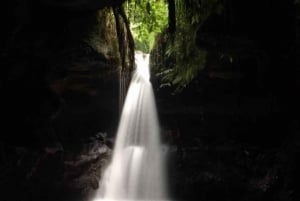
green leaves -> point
(147, 18)
(183, 58)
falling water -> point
(136, 169)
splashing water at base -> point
(136, 171)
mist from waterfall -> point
(136, 171)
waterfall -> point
(136, 171)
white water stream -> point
(136, 171)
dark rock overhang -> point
(82, 4)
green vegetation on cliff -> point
(147, 19)
(177, 58)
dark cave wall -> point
(47, 53)
(251, 70)
(59, 82)
(234, 130)
(261, 38)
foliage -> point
(147, 19)
(187, 64)
(188, 59)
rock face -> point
(57, 60)
(56, 173)
(234, 129)
(59, 83)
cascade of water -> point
(136, 171)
